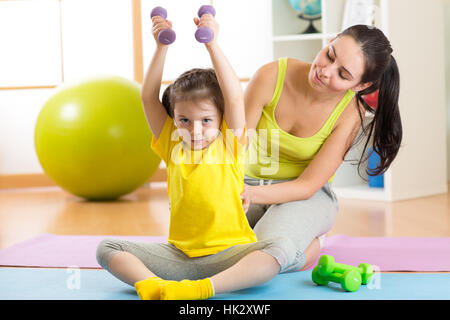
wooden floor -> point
(25, 213)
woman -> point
(307, 117)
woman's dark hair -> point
(381, 70)
(193, 85)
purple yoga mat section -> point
(50, 250)
(388, 254)
(391, 254)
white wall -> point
(97, 39)
(447, 74)
(417, 39)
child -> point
(199, 132)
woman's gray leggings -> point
(295, 224)
(284, 231)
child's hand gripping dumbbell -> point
(204, 34)
(166, 35)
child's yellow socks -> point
(155, 288)
(149, 289)
(187, 290)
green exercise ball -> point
(92, 139)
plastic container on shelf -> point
(373, 161)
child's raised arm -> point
(154, 111)
(233, 95)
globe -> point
(309, 10)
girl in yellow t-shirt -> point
(199, 132)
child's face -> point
(198, 122)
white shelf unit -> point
(420, 167)
(287, 27)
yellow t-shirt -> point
(204, 188)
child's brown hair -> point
(193, 85)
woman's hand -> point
(246, 199)
(159, 24)
(207, 20)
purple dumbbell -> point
(165, 36)
(204, 34)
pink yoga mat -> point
(388, 254)
(391, 254)
(50, 250)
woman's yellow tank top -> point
(274, 153)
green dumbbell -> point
(327, 265)
(350, 280)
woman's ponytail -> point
(387, 134)
(385, 128)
